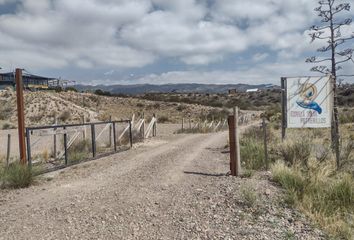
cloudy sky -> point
(159, 41)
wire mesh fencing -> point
(54, 147)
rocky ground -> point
(170, 187)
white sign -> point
(309, 102)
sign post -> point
(308, 102)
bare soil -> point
(170, 187)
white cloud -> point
(114, 34)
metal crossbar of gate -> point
(58, 146)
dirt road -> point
(171, 187)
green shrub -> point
(290, 179)
(252, 154)
(16, 176)
(296, 152)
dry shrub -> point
(64, 116)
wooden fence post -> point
(237, 144)
(264, 126)
(21, 116)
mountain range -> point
(166, 88)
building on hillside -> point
(232, 91)
(252, 90)
(30, 81)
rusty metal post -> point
(21, 116)
(237, 143)
(232, 142)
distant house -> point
(232, 91)
(30, 81)
(252, 90)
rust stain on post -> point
(21, 116)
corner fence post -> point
(65, 146)
(114, 137)
(93, 140)
(21, 116)
(28, 142)
(130, 134)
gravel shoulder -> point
(170, 187)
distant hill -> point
(170, 88)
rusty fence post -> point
(232, 143)
(21, 116)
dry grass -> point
(306, 170)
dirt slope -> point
(171, 187)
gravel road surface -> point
(170, 187)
